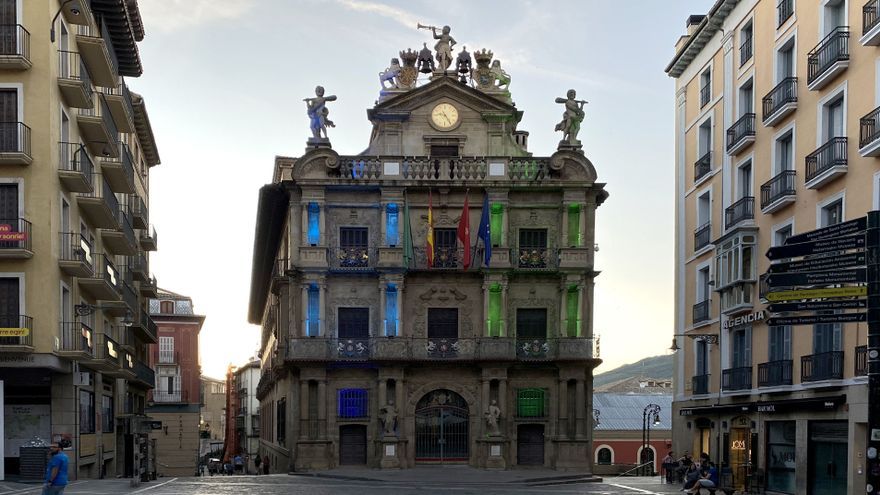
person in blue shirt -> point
(56, 471)
(709, 479)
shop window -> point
(352, 403)
(281, 420)
(86, 412)
(781, 456)
(530, 403)
(108, 418)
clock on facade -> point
(444, 116)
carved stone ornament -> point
(316, 163)
(408, 73)
(482, 75)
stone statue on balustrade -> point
(571, 120)
(316, 108)
(390, 75)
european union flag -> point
(485, 233)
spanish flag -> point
(429, 250)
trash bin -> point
(33, 458)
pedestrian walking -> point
(257, 461)
(56, 471)
(265, 464)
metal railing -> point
(705, 94)
(15, 41)
(354, 258)
(822, 366)
(535, 258)
(15, 137)
(703, 166)
(869, 16)
(169, 357)
(103, 192)
(166, 396)
(701, 311)
(125, 160)
(740, 130)
(144, 373)
(15, 233)
(102, 111)
(869, 131)
(745, 50)
(107, 349)
(744, 209)
(75, 247)
(71, 66)
(778, 187)
(784, 10)
(120, 90)
(17, 330)
(700, 384)
(736, 378)
(105, 269)
(76, 336)
(703, 236)
(443, 169)
(147, 324)
(782, 94)
(832, 49)
(829, 155)
(861, 361)
(74, 158)
(444, 259)
(775, 373)
(104, 34)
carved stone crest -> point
(406, 79)
(482, 75)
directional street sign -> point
(837, 230)
(796, 295)
(818, 305)
(814, 247)
(836, 262)
(817, 278)
(816, 319)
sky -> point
(224, 82)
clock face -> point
(444, 116)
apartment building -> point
(247, 418)
(76, 149)
(775, 131)
(212, 419)
(388, 339)
(176, 400)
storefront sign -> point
(14, 332)
(742, 320)
(738, 445)
(796, 295)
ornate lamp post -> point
(650, 415)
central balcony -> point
(780, 101)
(775, 373)
(703, 166)
(74, 80)
(778, 192)
(739, 212)
(104, 282)
(15, 239)
(828, 59)
(100, 205)
(448, 170)
(444, 259)
(741, 134)
(736, 378)
(535, 258)
(700, 384)
(869, 133)
(166, 397)
(822, 366)
(353, 259)
(826, 163)
(15, 47)
(75, 167)
(119, 170)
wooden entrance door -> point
(530, 445)
(352, 445)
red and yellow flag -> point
(464, 233)
(429, 249)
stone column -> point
(304, 301)
(562, 391)
(322, 408)
(304, 409)
(383, 287)
(383, 392)
(502, 401)
(504, 332)
(322, 307)
(563, 313)
(485, 397)
(579, 408)
(564, 240)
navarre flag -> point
(464, 233)
(484, 233)
(429, 248)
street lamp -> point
(650, 415)
(88, 309)
(596, 415)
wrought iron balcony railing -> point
(742, 210)
(861, 368)
(15, 137)
(784, 10)
(703, 236)
(742, 129)
(700, 384)
(353, 258)
(869, 131)
(832, 49)
(829, 155)
(74, 158)
(703, 166)
(535, 258)
(77, 338)
(782, 94)
(822, 366)
(870, 17)
(775, 373)
(737, 378)
(701, 311)
(144, 374)
(778, 187)
(15, 42)
(745, 51)
(15, 234)
(71, 66)
(705, 94)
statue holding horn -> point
(443, 47)
(571, 118)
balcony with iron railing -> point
(107, 355)
(869, 133)
(703, 236)
(75, 168)
(100, 205)
(96, 48)
(779, 191)
(741, 134)
(702, 311)
(702, 166)
(826, 163)
(75, 257)
(169, 357)
(16, 333)
(74, 80)
(119, 170)
(871, 23)
(140, 216)
(75, 341)
(700, 384)
(822, 366)
(148, 239)
(120, 240)
(144, 375)
(97, 128)
(535, 258)
(739, 378)
(149, 287)
(15, 239)
(15, 144)
(784, 11)
(775, 373)
(170, 397)
(745, 50)
(120, 105)
(705, 94)
(105, 281)
(353, 258)
(861, 361)
(740, 211)
(15, 47)
(828, 59)
(145, 328)
(443, 259)
(780, 101)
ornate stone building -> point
(390, 337)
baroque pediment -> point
(400, 107)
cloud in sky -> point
(171, 15)
(403, 17)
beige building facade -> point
(76, 148)
(775, 131)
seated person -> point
(692, 477)
(708, 480)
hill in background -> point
(658, 367)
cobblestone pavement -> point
(440, 481)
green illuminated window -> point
(530, 403)
(572, 320)
(496, 325)
(496, 223)
(574, 225)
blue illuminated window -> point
(352, 403)
(313, 322)
(314, 223)
(391, 224)
(391, 318)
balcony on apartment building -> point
(871, 23)
(828, 59)
(740, 211)
(701, 311)
(100, 205)
(826, 163)
(739, 378)
(705, 94)
(741, 134)
(15, 239)
(172, 397)
(784, 11)
(104, 283)
(15, 47)
(18, 333)
(97, 128)
(15, 144)
(148, 239)
(702, 166)
(75, 168)
(861, 361)
(74, 80)
(143, 374)
(700, 384)
(139, 267)
(145, 328)
(775, 373)
(779, 192)
(75, 341)
(702, 236)
(822, 366)
(107, 356)
(140, 216)
(97, 51)
(780, 101)
(149, 287)
(119, 102)
(75, 258)
(425, 168)
(869, 133)
(118, 170)
(169, 357)
(120, 240)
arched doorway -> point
(442, 427)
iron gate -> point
(442, 428)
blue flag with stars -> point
(485, 232)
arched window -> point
(603, 456)
(166, 307)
